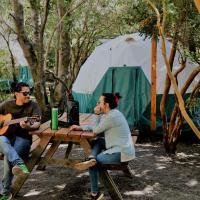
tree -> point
(33, 49)
(78, 26)
(172, 130)
(179, 22)
(6, 32)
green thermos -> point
(54, 118)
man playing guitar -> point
(15, 143)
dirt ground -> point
(156, 177)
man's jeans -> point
(101, 158)
(14, 151)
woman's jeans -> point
(14, 151)
(101, 158)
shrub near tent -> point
(5, 85)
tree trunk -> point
(64, 55)
(31, 53)
(153, 83)
(166, 91)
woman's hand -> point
(97, 110)
(75, 128)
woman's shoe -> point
(97, 197)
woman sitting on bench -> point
(117, 147)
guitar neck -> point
(14, 121)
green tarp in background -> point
(24, 75)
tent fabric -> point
(128, 50)
(99, 74)
(25, 76)
(132, 85)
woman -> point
(117, 146)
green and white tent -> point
(123, 65)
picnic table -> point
(42, 156)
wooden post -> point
(153, 82)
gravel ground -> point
(156, 177)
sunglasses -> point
(26, 93)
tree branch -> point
(58, 24)
(58, 79)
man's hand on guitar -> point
(25, 125)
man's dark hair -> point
(112, 99)
(17, 87)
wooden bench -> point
(107, 180)
(121, 166)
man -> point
(16, 142)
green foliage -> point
(100, 19)
(180, 15)
(5, 71)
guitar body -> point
(7, 117)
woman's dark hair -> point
(112, 99)
(17, 87)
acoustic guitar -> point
(6, 121)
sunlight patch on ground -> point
(160, 167)
(60, 187)
(149, 189)
(141, 150)
(147, 155)
(39, 172)
(147, 145)
(184, 163)
(192, 183)
(163, 159)
(86, 173)
(32, 193)
(183, 155)
(143, 173)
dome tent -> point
(109, 67)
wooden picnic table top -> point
(65, 133)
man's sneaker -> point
(6, 197)
(20, 169)
(99, 196)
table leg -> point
(86, 146)
(69, 148)
(110, 185)
(32, 161)
(50, 153)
